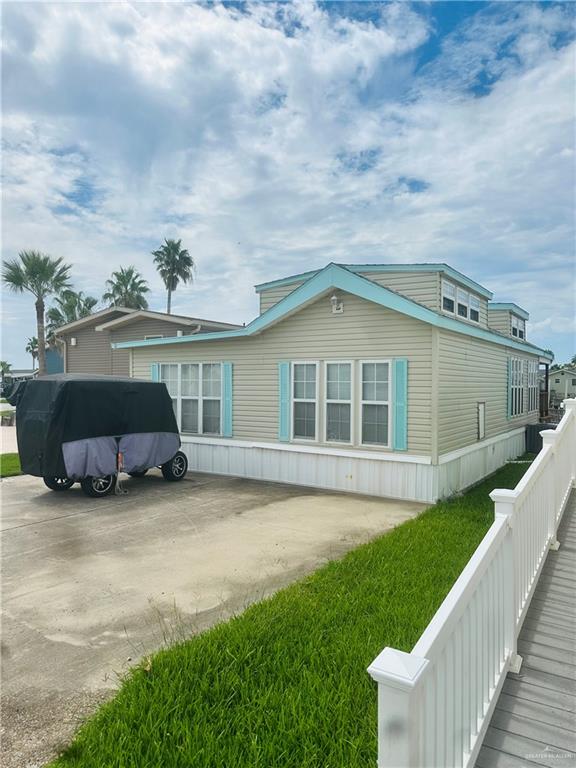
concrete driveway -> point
(90, 586)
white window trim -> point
(339, 402)
(293, 400)
(362, 402)
(519, 325)
(533, 386)
(454, 313)
(199, 398)
(517, 387)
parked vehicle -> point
(73, 428)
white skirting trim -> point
(399, 476)
(461, 470)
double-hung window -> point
(196, 392)
(304, 401)
(375, 402)
(339, 402)
(518, 327)
(516, 387)
(463, 297)
(448, 296)
(532, 375)
(474, 308)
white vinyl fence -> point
(435, 703)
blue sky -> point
(274, 138)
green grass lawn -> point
(9, 465)
(284, 685)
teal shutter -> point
(509, 393)
(400, 424)
(284, 401)
(227, 399)
(155, 372)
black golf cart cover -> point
(74, 426)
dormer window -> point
(518, 327)
(457, 301)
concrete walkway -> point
(90, 586)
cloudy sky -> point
(274, 138)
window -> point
(460, 302)
(518, 327)
(474, 308)
(375, 403)
(516, 387)
(481, 421)
(156, 336)
(338, 402)
(463, 299)
(556, 381)
(574, 382)
(532, 377)
(448, 296)
(304, 396)
(196, 392)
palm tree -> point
(68, 307)
(41, 275)
(126, 288)
(32, 349)
(4, 368)
(174, 264)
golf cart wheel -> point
(58, 483)
(141, 473)
(176, 468)
(97, 487)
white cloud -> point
(280, 138)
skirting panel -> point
(463, 471)
(394, 479)
(406, 479)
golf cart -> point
(75, 428)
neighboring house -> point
(377, 379)
(87, 343)
(562, 383)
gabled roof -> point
(89, 319)
(564, 369)
(176, 319)
(335, 276)
(359, 268)
(508, 306)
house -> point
(562, 384)
(86, 344)
(377, 379)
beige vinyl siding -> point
(272, 296)
(92, 352)
(423, 287)
(472, 371)
(364, 331)
(500, 320)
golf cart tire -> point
(176, 468)
(98, 487)
(140, 473)
(58, 483)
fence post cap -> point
(569, 404)
(398, 669)
(548, 436)
(503, 495)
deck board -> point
(534, 722)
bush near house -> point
(284, 685)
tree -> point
(4, 368)
(41, 275)
(68, 307)
(174, 264)
(573, 360)
(127, 288)
(32, 349)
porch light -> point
(337, 305)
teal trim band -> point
(227, 398)
(400, 425)
(155, 372)
(334, 276)
(356, 268)
(284, 401)
(508, 307)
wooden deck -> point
(534, 722)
